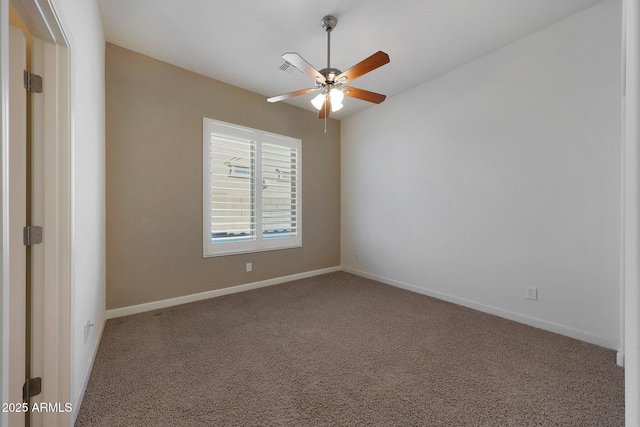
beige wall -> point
(154, 181)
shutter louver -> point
(279, 192)
(232, 180)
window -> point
(252, 190)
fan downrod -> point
(329, 22)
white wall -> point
(501, 174)
(83, 22)
(631, 218)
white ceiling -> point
(241, 41)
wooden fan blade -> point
(292, 94)
(302, 65)
(376, 60)
(325, 110)
(365, 95)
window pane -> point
(279, 191)
(232, 166)
(252, 190)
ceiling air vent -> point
(288, 67)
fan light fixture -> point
(329, 81)
(335, 97)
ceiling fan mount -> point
(329, 81)
(329, 23)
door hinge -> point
(32, 82)
(32, 387)
(32, 235)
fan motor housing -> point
(330, 74)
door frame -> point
(18, 196)
(45, 23)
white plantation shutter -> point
(232, 189)
(252, 190)
(280, 195)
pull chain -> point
(328, 66)
(325, 117)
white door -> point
(50, 199)
(36, 256)
(27, 193)
(17, 220)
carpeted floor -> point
(340, 350)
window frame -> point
(258, 138)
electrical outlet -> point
(249, 267)
(357, 256)
(531, 293)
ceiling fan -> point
(329, 81)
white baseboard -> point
(140, 308)
(537, 323)
(531, 321)
(79, 397)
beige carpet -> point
(340, 350)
